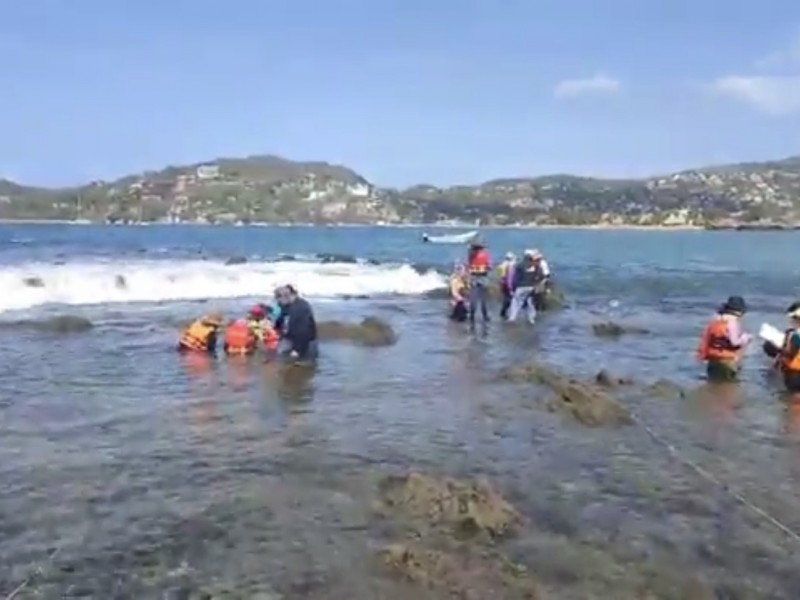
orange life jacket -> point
(787, 361)
(479, 263)
(239, 338)
(196, 336)
(715, 343)
(271, 338)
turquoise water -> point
(145, 469)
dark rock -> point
(236, 260)
(336, 258)
(60, 324)
(606, 379)
(120, 283)
(34, 282)
(371, 332)
(611, 329)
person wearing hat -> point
(541, 284)
(201, 335)
(260, 321)
(479, 266)
(790, 353)
(526, 277)
(506, 273)
(723, 341)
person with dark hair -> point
(723, 341)
(298, 325)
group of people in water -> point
(289, 320)
(724, 340)
(523, 285)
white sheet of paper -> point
(770, 334)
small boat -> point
(453, 238)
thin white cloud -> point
(773, 87)
(777, 96)
(598, 84)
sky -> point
(402, 91)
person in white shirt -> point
(541, 285)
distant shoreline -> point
(431, 226)
(343, 225)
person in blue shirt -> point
(298, 325)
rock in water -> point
(587, 403)
(34, 282)
(611, 329)
(371, 332)
(120, 283)
(63, 324)
(236, 260)
(467, 508)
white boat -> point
(453, 238)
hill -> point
(274, 189)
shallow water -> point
(160, 476)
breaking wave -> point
(36, 284)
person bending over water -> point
(459, 290)
(299, 325)
(723, 341)
(201, 336)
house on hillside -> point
(205, 172)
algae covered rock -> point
(371, 332)
(611, 329)
(467, 508)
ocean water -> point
(144, 470)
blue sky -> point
(403, 91)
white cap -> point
(510, 256)
(533, 253)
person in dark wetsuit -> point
(298, 325)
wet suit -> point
(300, 329)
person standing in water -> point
(541, 286)
(479, 266)
(789, 358)
(506, 273)
(723, 341)
(459, 293)
(299, 325)
(526, 277)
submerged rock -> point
(327, 257)
(606, 379)
(663, 388)
(464, 575)
(34, 282)
(60, 324)
(236, 260)
(467, 508)
(611, 329)
(587, 403)
(371, 332)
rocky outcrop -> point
(371, 332)
(466, 508)
(614, 330)
(587, 403)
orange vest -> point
(239, 338)
(789, 363)
(271, 338)
(715, 343)
(196, 336)
(479, 263)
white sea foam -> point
(154, 281)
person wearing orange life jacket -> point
(240, 340)
(201, 335)
(479, 266)
(723, 341)
(263, 327)
(790, 352)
